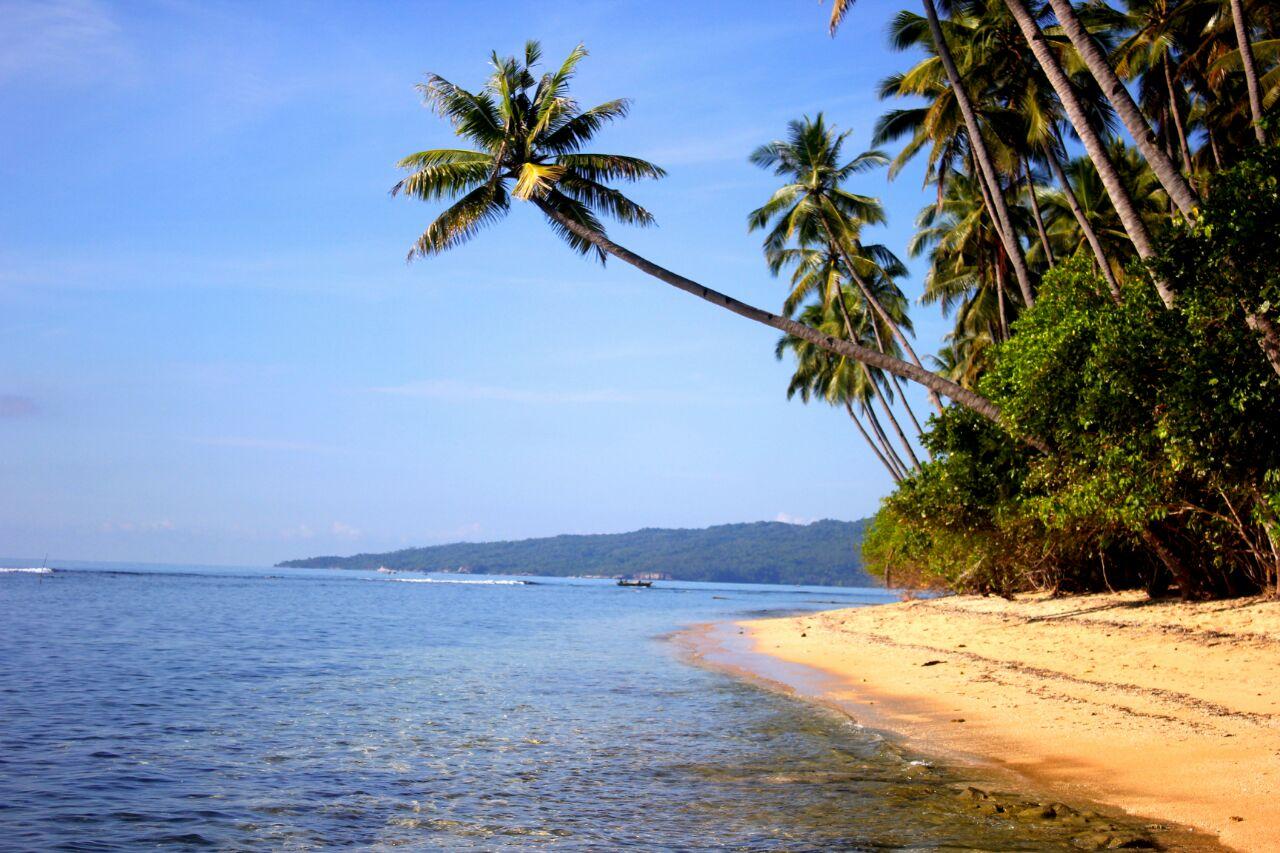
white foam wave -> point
(35, 571)
(494, 582)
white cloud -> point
(161, 526)
(344, 530)
(788, 518)
(450, 389)
(55, 37)
(248, 443)
(297, 531)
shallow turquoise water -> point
(296, 709)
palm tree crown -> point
(813, 206)
(528, 130)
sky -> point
(213, 350)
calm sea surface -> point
(303, 709)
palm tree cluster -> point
(1056, 138)
(1160, 94)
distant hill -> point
(824, 552)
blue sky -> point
(212, 349)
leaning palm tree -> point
(1092, 199)
(1127, 109)
(530, 135)
(815, 207)
(838, 381)
(982, 157)
(822, 272)
(1241, 25)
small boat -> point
(386, 571)
(637, 583)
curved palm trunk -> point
(986, 167)
(1170, 178)
(897, 478)
(877, 307)
(914, 372)
(893, 421)
(1268, 336)
(987, 203)
(1176, 113)
(873, 389)
(1120, 198)
(906, 404)
(1213, 148)
(1250, 69)
(1035, 210)
(880, 434)
(1004, 320)
(1086, 227)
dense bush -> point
(1164, 427)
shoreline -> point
(1165, 710)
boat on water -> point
(386, 571)
(636, 583)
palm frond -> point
(463, 220)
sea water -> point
(278, 709)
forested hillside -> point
(824, 552)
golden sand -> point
(1168, 710)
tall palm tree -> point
(978, 144)
(822, 375)
(528, 130)
(819, 271)
(1154, 48)
(1092, 198)
(1134, 226)
(1134, 120)
(1019, 106)
(967, 265)
(822, 272)
(1250, 68)
(813, 206)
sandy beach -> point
(1167, 710)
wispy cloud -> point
(248, 443)
(450, 389)
(344, 531)
(17, 406)
(788, 518)
(164, 525)
(52, 38)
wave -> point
(34, 571)
(473, 582)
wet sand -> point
(1167, 710)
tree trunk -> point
(1086, 227)
(874, 389)
(848, 407)
(1268, 336)
(1136, 123)
(1120, 198)
(1004, 320)
(1176, 113)
(877, 307)
(893, 421)
(906, 404)
(914, 372)
(986, 167)
(1035, 210)
(1250, 69)
(878, 430)
(1187, 587)
(989, 205)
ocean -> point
(277, 709)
